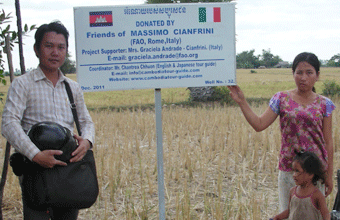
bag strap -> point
(73, 106)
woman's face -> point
(305, 76)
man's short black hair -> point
(55, 26)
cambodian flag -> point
(209, 14)
(101, 18)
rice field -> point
(215, 165)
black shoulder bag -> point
(71, 186)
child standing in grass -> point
(306, 200)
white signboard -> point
(155, 46)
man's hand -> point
(46, 158)
(83, 146)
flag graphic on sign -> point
(209, 14)
(101, 19)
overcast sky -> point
(286, 27)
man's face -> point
(52, 51)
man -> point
(40, 95)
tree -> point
(20, 33)
(247, 59)
(334, 61)
(3, 33)
(69, 66)
(13, 38)
(268, 59)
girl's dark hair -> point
(311, 164)
(55, 26)
(310, 58)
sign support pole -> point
(159, 137)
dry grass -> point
(215, 165)
(266, 81)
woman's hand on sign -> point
(236, 94)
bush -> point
(210, 94)
(221, 94)
(201, 94)
(331, 88)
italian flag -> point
(209, 14)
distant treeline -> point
(248, 60)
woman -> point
(305, 122)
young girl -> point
(306, 201)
